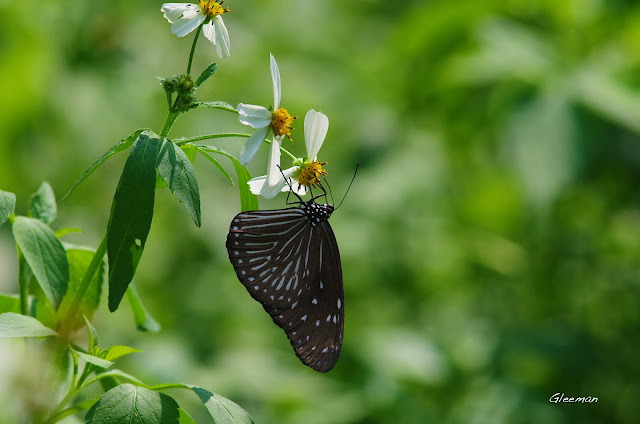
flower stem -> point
(220, 135)
(193, 48)
(168, 123)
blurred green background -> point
(490, 242)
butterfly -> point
(288, 260)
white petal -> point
(186, 24)
(275, 79)
(209, 32)
(297, 188)
(251, 146)
(256, 116)
(269, 192)
(223, 44)
(273, 172)
(173, 11)
(255, 184)
(316, 125)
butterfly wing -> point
(293, 269)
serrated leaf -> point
(16, 325)
(131, 215)
(117, 351)
(214, 105)
(45, 255)
(176, 169)
(208, 72)
(216, 163)
(143, 319)
(223, 410)
(120, 146)
(134, 405)
(99, 362)
(7, 205)
(42, 204)
(79, 260)
(248, 200)
(9, 303)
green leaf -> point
(131, 215)
(176, 169)
(42, 204)
(67, 230)
(185, 418)
(214, 105)
(248, 200)
(79, 260)
(223, 410)
(16, 325)
(144, 321)
(45, 255)
(134, 405)
(208, 72)
(216, 163)
(7, 205)
(120, 146)
(9, 303)
(190, 151)
(117, 351)
(98, 362)
(94, 339)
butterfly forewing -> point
(292, 267)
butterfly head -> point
(316, 213)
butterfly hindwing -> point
(293, 269)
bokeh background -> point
(490, 242)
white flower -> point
(185, 17)
(266, 122)
(304, 173)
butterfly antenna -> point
(286, 180)
(348, 188)
(330, 192)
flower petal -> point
(273, 170)
(173, 11)
(223, 44)
(300, 190)
(256, 184)
(316, 125)
(187, 23)
(275, 79)
(209, 32)
(251, 146)
(270, 191)
(256, 116)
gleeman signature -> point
(561, 398)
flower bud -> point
(185, 83)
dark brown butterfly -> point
(288, 260)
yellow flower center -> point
(310, 173)
(212, 8)
(281, 122)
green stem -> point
(220, 135)
(208, 137)
(171, 118)
(193, 48)
(23, 282)
(69, 319)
